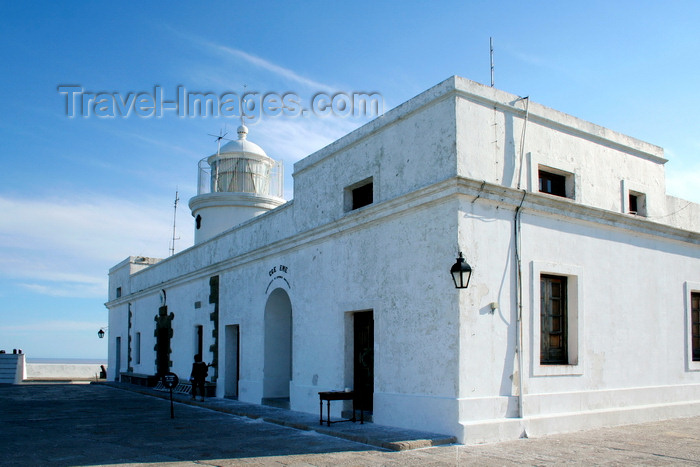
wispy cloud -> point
(294, 139)
(62, 289)
(232, 52)
(269, 66)
(45, 270)
(130, 135)
(63, 247)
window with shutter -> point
(553, 316)
(695, 324)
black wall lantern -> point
(101, 333)
(461, 272)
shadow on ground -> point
(64, 424)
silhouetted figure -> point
(197, 377)
(103, 372)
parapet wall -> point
(63, 371)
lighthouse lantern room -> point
(236, 184)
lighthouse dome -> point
(239, 147)
(240, 166)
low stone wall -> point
(63, 371)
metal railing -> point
(241, 175)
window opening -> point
(553, 316)
(695, 324)
(636, 203)
(633, 204)
(362, 196)
(358, 195)
(119, 292)
(552, 183)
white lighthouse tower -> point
(237, 183)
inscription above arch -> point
(277, 273)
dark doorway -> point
(199, 340)
(278, 350)
(363, 359)
(118, 357)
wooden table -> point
(329, 396)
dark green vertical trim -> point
(128, 344)
(214, 317)
(163, 333)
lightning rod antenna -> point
(221, 136)
(172, 247)
(491, 57)
(243, 104)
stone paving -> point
(60, 424)
(393, 439)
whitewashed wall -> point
(627, 296)
(445, 169)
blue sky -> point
(78, 195)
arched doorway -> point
(278, 349)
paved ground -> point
(101, 425)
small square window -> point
(362, 196)
(359, 195)
(552, 183)
(633, 204)
(636, 203)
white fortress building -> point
(583, 301)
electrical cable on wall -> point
(522, 139)
(670, 214)
(519, 297)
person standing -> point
(197, 377)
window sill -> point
(557, 370)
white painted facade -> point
(453, 169)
